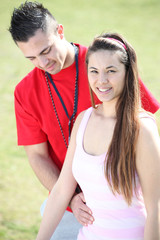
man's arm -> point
(41, 163)
(48, 173)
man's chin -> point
(54, 71)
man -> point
(49, 98)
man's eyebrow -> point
(39, 53)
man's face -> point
(46, 50)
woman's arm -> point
(61, 193)
(148, 167)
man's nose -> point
(43, 61)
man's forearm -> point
(43, 166)
(45, 170)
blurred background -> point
(138, 21)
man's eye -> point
(31, 59)
(47, 51)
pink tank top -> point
(114, 219)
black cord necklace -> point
(48, 76)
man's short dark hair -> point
(27, 19)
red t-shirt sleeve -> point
(149, 102)
(28, 129)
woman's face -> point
(106, 74)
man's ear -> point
(60, 31)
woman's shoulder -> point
(146, 119)
(148, 144)
(145, 114)
(148, 126)
(85, 112)
(81, 116)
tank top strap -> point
(143, 114)
(82, 126)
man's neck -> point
(70, 58)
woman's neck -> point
(107, 109)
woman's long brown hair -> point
(120, 164)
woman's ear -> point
(60, 31)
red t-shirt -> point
(35, 116)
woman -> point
(114, 153)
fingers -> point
(84, 217)
(81, 211)
(81, 195)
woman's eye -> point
(111, 71)
(94, 71)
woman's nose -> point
(103, 78)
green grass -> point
(20, 192)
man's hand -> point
(80, 210)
